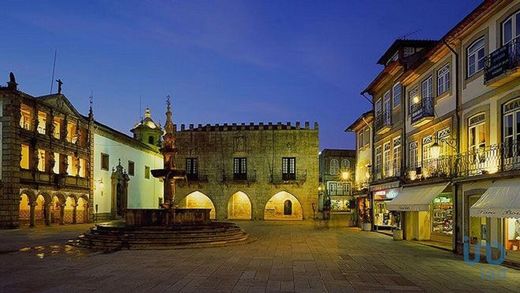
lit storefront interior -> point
(495, 217)
(384, 219)
(428, 212)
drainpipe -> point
(458, 228)
(372, 158)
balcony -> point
(490, 159)
(422, 112)
(443, 167)
(290, 178)
(383, 122)
(502, 65)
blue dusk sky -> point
(221, 61)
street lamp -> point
(345, 175)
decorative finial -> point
(168, 125)
(60, 83)
(12, 81)
(147, 113)
(91, 102)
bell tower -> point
(147, 131)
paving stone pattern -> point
(286, 257)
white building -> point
(122, 169)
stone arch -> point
(197, 199)
(82, 209)
(56, 208)
(39, 209)
(276, 207)
(68, 208)
(29, 193)
(24, 213)
(239, 206)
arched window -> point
(345, 164)
(334, 167)
(287, 208)
(150, 140)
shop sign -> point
(384, 186)
(499, 63)
(494, 272)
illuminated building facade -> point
(45, 169)
(249, 172)
(337, 173)
(455, 169)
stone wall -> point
(264, 146)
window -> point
(477, 132)
(70, 166)
(511, 130)
(413, 98)
(378, 161)
(104, 161)
(360, 139)
(57, 162)
(334, 167)
(151, 140)
(72, 129)
(366, 137)
(240, 168)
(511, 28)
(332, 188)
(378, 107)
(396, 92)
(24, 160)
(56, 122)
(42, 122)
(131, 168)
(443, 80)
(41, 160)
(288, 168)
(386, 160)
(287, 208)
(475, 57)
(387, 106)
(427, 88)
(345, 164)
(82, 168)
(426, 150)
(192, 168)
(26, 117)
(442, 137)
(397, 156)
(413, 154)
(146, 172)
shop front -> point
(495, 218)
(343, 210)
(428, 212)
(362, 209)
(382, 194)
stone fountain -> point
(167, 227)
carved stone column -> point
(62, 213)
(32, 207)
(74, 209)
(47, 213)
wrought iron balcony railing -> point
(502, 60)
(422, 110)
(443, 167)
(490, 159)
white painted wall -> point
(142, 193)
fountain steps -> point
(111, 238)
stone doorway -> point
(119, 191)
(239, 207)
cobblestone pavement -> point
(301, 257)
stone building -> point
(45, 167)
(250, 172)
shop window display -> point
(513, 234)
(477, 226)
(442, 215)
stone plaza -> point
(302, 256)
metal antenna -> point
(405, 36)
(140, 109)
(53, 69)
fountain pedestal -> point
(166, 217)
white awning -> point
(501, 200)
(416, 198)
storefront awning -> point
(501, 200)
(416, 198)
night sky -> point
(221, 61)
